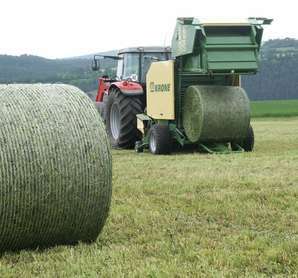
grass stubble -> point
(191, 214)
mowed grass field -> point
(191, 214)
(274, 108)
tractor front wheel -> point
(159, 139)
(120, 118)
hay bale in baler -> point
(55, 167)
(215, 113)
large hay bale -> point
(55, 167)
(215, 113)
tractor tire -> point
(121, 120)
(100, 108)
(248, 143)
(160, 139)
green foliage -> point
(32, 69)
(274, 108)
(190, 214)
(279, 47)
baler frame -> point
(191, 44)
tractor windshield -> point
(148, 58)
(131, 65)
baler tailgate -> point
(231, 49)
(231, 59)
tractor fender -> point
(128, 88)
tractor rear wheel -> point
(247, 143)
(100, 108)
(120, 118)
(159, 139)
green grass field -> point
(274, 108)
(191, 215)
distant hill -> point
(90, 56)
(33, 69)
(278, 76)
(277, 79)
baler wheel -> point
(248, 143)
(159, 139)
(121, 120)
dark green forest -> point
(277, 79)
(278, 75)
(33, 69)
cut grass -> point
(191, 215)
(274, 108)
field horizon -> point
(274, 108)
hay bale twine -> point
(55, 167)
(215, 113)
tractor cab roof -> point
(145, 49)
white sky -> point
(65, 28)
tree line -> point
(277, 78)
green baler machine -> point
(196, 98)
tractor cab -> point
(135, 62)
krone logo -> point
(151, 87)
(160, 88)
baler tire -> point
(159, 139)
(123, 132)
(248, 143)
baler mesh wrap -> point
(215, 113)
(55, 167)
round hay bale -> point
(55, 167)
(215, 113)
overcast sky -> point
(65, 28)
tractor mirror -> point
(95, 65)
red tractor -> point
(120, 99)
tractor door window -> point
(131, 65)
(148, 58)
(119, 74)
